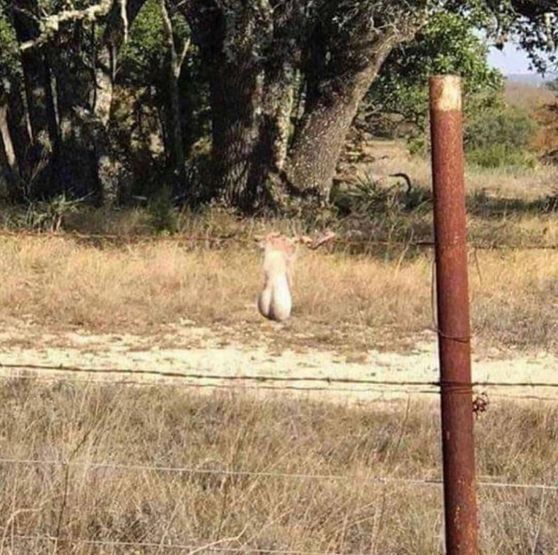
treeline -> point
(244, 101)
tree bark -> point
(8, 160)
(271, 146)
(235, 100)
(230, 37)
(119, 20)
(175, 59)
(329, 111)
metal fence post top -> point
(445, 92)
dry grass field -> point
(57, 283)
(301, 474)
(366, 300)
(527, 96)
(301, 477)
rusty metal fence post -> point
(453, 315)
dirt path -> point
(199, 351)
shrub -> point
(500, 136)
(500, 155)
(162, 212)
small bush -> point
(163, 213)
(369, 196)
(500, 155)
(500, 136)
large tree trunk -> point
(329, 111)
(175, 59)
(230, 49)
(115, 34)
(348, 45)
(8, 161)
(270, 150)
(278, 100)
(235, 101)
(232, 37)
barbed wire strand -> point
(270, 378)
(251, 387)
(232, 387)
(211, 376)
(179, 238)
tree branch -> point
(50, 25)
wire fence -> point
(200, 379)
(397, 480)
(195, 377)
(188, 377)
(211, 240)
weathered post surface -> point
(453, 315)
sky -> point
(509, 60)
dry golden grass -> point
(527, 96)
(506, 183)
(340, 299)
(172, 428)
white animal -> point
(275, 301)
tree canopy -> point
(246, 102)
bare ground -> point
(185, 350)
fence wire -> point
(383, 480)
(381, 391)
(213, 240)
(209, 547)
(180, 378)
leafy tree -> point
(448, 44)
(143, 55)
(281, 81)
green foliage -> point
(143, 55)
(163, 215)
(500, 136)
(143, 58)
(50, 215)
(509, 125)
(369, 196)
(448, 44)
(497, 156)
(10, 69)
